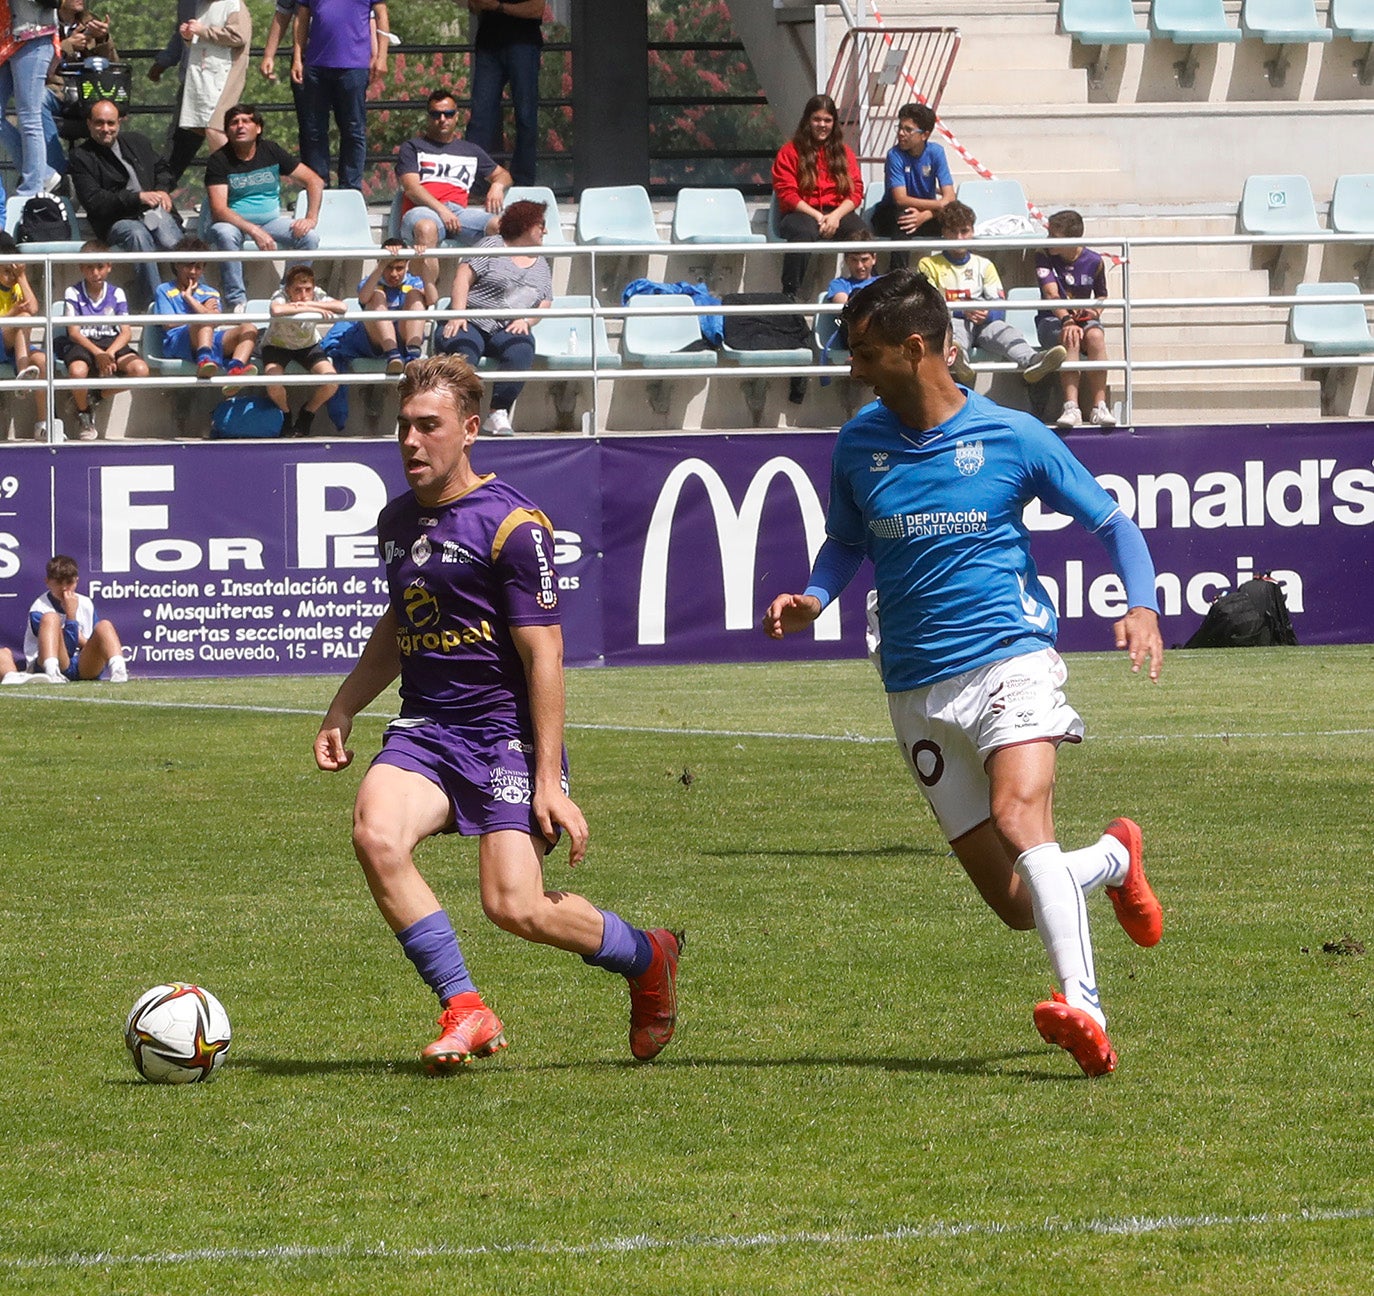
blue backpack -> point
(245, 417)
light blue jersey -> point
(939, 514)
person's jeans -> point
(342, 92)
(225, 237)
(23, 78)
(135, 236)
(492, 68)
(509, 351)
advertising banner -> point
(247, 558)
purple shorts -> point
(486, 777)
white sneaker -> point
(1044, 362)
(85, 426)
(40, 430)
(18, 677)
(119, 671)
(1102, 416)
(28, 371)
(1072, 417)
(498, 424)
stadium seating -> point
(1352, 204)
(616, 214)
(991, 199)
(712, 216)
(554, 235)
(566, 342)
(1101, 22)
(158, 363)
(656, 341)
(1190, 23)
(14, 207)
(823, 328)
(1330, 328)
(1284, 23)
(1019, 317)
(1278, 204)
(1354, 20)
(343, 224)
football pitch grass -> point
(856, 1100)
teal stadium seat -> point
(1354, 20)
(1192, 22)
(566, 342)
(1352, 204)
(344, 223)
(1100, 22)
(554, 234)
(158, 363)
(1330, 328)
(712, 216)
(658, 339)
(823, 329)
(14, 207)
(616, 214)
(1283, 22)
(991, 199)
(1278, 204)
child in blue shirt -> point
(207, 345)
(859, 266)
(390, 287)
(917, 182)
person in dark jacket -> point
(125, 189)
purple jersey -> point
(1085, 276)
(460, 575)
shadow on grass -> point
(988, 1065)
(847, 852)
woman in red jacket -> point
(818, 186)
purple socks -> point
(624, 949)
(432, 945)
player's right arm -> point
(833, 569)
(376, 668)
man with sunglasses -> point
(437, 173)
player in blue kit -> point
(473, 631)
(930, 482)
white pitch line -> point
(248, 708)
(1127, 1226)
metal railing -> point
(1125, 315)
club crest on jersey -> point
(968, 457)
(420, 551)
(421, 607)
(880, 462)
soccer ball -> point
(177, 1034)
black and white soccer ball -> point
(177, 1034)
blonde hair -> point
(447, 373)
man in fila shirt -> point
(473, 632)
(437, 172)
(930, 482)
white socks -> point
(53, 671)
(1105, 864)
(119, 672)
(1061, 918)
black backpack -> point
(764, 332)
(42, 220)
(1253, 616)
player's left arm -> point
(541, 652)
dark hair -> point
(922, 114)
(447, 373)
(1065, 224)
(95, 245)
(298, 271)
(438, 96)
(395, 241)
(956, 216)
(836, 155)
(898, 305)
(521, 217)
(190, 243)
(243, 110)
(62, 567)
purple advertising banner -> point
(259, 558)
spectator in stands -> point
(505, 51)
(337, 50)
(102, 342)
(964, 276)
(80, 36)
(126, 190)
(185, 144)
(293, 337)
(283, 24)
(437, 173)
(26, 53)
(1075, 274)
(522, 281)
(390, 286)
(208, 345)
(18, 311)
(243, 183)
(917, 183)
(858, 272)
(219, 38)
(818, 186)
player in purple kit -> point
(473, 631)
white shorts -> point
(948, 730)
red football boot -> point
(1076, 1033)
(468, 1029)
(1137, 910)
(653, 996)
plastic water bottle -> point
(572, 342)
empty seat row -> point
(1283, 204)
(1203, 22)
